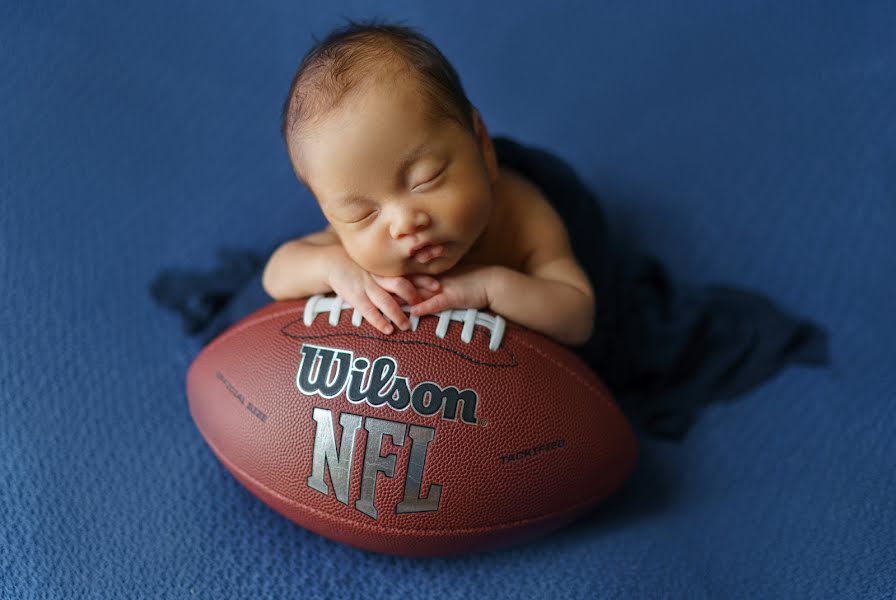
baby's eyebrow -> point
(351, 200)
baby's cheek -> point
(373, 258)
(476, 218)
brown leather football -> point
(465, 433)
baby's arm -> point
(552, 295)
(551, 301)
(299, 268)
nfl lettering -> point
(384, 389)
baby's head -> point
(378, 127)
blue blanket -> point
(751, 144)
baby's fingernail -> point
(433, 285)
(388, 329)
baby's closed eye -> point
(429, 179)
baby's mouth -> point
(428, 253)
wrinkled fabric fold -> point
(664, 347)
(208, 302)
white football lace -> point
(469, 317)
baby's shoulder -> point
(516, 188)
(527, 213)
(525, 203)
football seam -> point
(400, 530)
(265, 318)
(227, 334)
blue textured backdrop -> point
(748, 143)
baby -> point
(378, 127)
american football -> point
(466, 433)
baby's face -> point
(387, 180)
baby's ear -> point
(486, 146)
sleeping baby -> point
(427, 212)
(420, 211)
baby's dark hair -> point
(348, 55)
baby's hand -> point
(367, 293)
(462, 287)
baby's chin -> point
(436, 266)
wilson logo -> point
(331, 372)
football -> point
(466, 433)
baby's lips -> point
(430, 253)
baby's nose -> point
(408, 222)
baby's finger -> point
(399, 286)
(426, 282)
(371, 314)
(384, 300)
(435, 304)
(427, 294)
